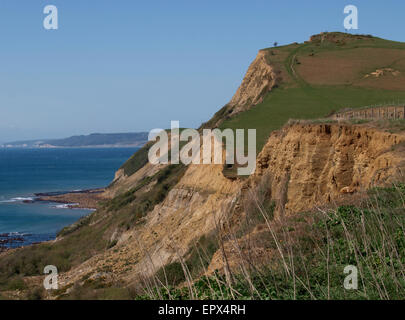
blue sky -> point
(128, 65)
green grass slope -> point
(298, 96)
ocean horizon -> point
(26, 172)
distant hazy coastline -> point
(95, 140)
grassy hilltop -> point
(326, 74)
(330, 72)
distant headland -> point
(94, 140)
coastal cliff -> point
(314, 164)
(260, 78)
(159, 226)
(309, 165)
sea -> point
(25, 172)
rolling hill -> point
(330, 72)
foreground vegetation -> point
(310, 252)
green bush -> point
(137, 161)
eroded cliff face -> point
(193, 208)
(308, 164)
(260, 78)
(315, 164)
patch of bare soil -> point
(351, 66)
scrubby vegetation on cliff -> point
(310, 251)
(90, 235)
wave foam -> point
(18, 199)
(65, 206)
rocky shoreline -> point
(7, 240)
(83, 199)
(15, 240)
